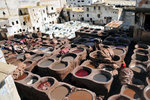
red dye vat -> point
(33, 43)
(77, 51)
(64, 51)
(44, 85)
(81, 73)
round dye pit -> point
(116, 58)
(100, 77)
(148, 93)
(78, 51)
(80, 95)
(108, 68)
(118, 97)
(138, 69)
(22, 76)
(82, 73)
(11, 60)
(118, 51)
(28, 63)
(16, 62)
(142, 51)
(131, 93)
(91, 66)
(61, 90)
(68, 58)
(89, 44)
(37, 57)
(59, 66)
(31, 80)
(46, 62)
(43, 48)
(44, 85)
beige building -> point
(142, 23)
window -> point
(52, 8)
(4, 13)
(87, 9)
(24, 23)
(17, 22)
(72, 15)
(99, 8)
(43, 11)
(87, 15)
(94, 7)
(45, 19)
(82, 1)
(98, 15)
(13, 23)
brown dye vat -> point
(100, 77)
(68, 58)
(80, 95)
(37, 57)
(59, 66)
(91, 66)
(28, 63)
(46, 63)
(22, 76)
(137, 69)
(149, 80)
(148, 94)
(11, 60)
(118, 51)
(61, 90)
(77, 51)
(131, 93)
(16, 62)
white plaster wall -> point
(16, 27)
(23, 3)
(81, 3)
(76, 16)
(3, 23)
(105, 11)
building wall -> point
(80, 3)
(98, 13)
(76, 16)
(15, 23)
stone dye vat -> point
(139, 69)
(29, 64)
(24, 75)
(37, 57)
(59, 66)
(80, 95)
(93, 79)
(131, 92)
(141, 51)
(60, 69)
(89, 63)
(83, 72)
(72, 58)
(118, 97)
(45, 84)
(60, 92)
(120, 51)
(45, 62)
(139, 57)
(147, 93)
(11, 59)
(80, 52)
(142, 46)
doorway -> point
(147, 23)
